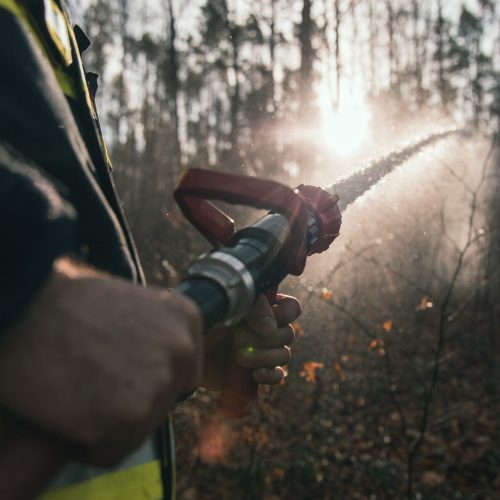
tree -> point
(307, 57)
(393, 59)
(222, 37)
(472, 62)
(172, 82)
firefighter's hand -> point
(262, 343)
(100, 362)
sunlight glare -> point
(344, 130)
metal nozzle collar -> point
(233, 276)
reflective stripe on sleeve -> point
(13, 7)
(142, 482)
(17, 10)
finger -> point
(268, 376)
(244, 337)
(286, 310)
(261, 318)
(263, 358)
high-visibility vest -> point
(149, 473)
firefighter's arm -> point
(98, 361)
(37, 226)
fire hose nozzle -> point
(325, 209)
(253, 260)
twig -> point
(376, 262)
(394, 399)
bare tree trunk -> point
(393, 62)
(477, 88)
(235, 97)
(355, 53)
(123, 93)
(424, 58)
(306, 57)
(272, 54)
(235, 93)
(442, 88)
(174, 83)
(417, 51)
(328, 48)
(338, 62)
(372, 41)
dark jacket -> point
(56, 190)
(57, 195)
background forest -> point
(392, 391)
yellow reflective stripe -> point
(11, 6)
(56, 24)
(142, 482)
(65, 82)
(81, 71)
(88, 98)
(105, 151)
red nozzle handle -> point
(239, 392)
(240, 389)
(194, 190)
(197, 186)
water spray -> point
(226, 281)
(352, 187)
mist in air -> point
(392, 390)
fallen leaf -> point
(340, 372)
(395, 416)
(259, 436)
(432, 479)
(387, 325)
(297, 328)
(425, 303)
(309, 371)
(279, 473)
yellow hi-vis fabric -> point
(65, 82)
(56, 21)
(137, 483)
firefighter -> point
(86, 354)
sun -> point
(344, 129)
